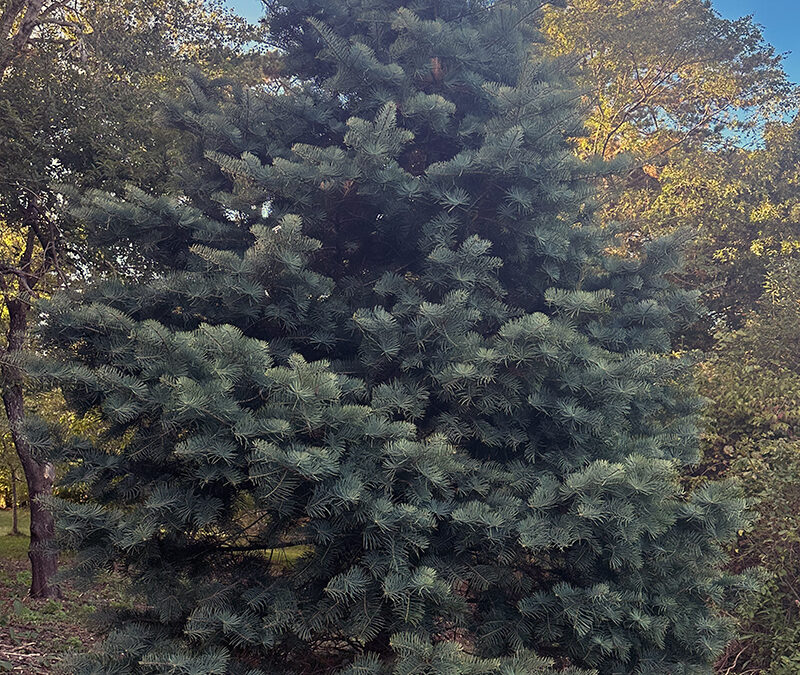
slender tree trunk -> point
(39, 475)
(14, 503)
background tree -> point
(383, 325)
(741, 205)
(683, 93)
(80, 85)
(753, 379)
(11, 479)
(660, 74)
(19, 20)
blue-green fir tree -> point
(378, 395)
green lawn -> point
(14, 547)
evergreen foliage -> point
(381, 325)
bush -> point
(753, 379)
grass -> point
(14, 547)
(37, 636)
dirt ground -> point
(40, 636)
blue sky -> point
(250, 9)
(780, 19)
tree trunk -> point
(39, 475)
(14, 503)
(17, 23)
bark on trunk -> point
(17, 23)
(14, 503)
(39, 475)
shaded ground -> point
(38, 636)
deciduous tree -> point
(660, 74)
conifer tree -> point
(386, 400)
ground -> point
(38, 636)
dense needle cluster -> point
(382, 397)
